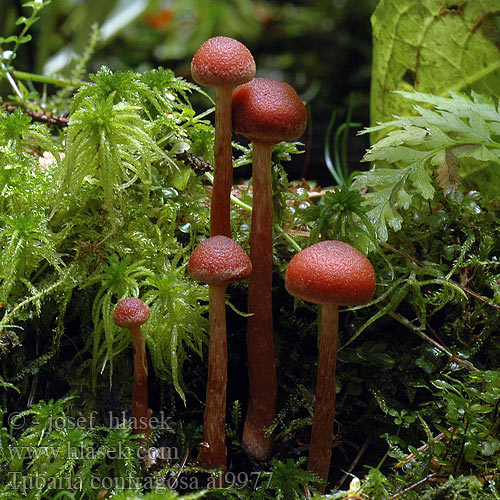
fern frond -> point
(454, 137)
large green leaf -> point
(433, 46)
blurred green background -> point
(320, 47)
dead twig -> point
(455, 358)
(355, 462)
(40, 116)
(181, 467)
(412, 487)
(424, 447)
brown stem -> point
(140, 412)
(214, 419)
(260, 339)
(223, 173)
(320, 450)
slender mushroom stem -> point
(320, 449)
(260, 339)
(217, 261)
(223, 174)
(214, 418)
(140, 411)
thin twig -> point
(424, 447)
(181, 467)
(412, 487)
(60, 82)
(453, 357)
(355, 462)
(40, 116)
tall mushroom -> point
(330, 273)
(131, 313)
(223, 63)
(218, 261)
(266, 112)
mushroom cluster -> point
(265, 111)
(330, 273)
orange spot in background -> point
(160, 19)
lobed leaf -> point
(433, 47)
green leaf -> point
(388, 194)
(432, 47)
(422, 181)
(489, 448)
(24, 39)
(442, 384)
(383, 151)
(457, 138)
(181, 178)
(477, 408)
(9, 39)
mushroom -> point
(223, 63)
(131, 313)
(218, 261)
(330, 273)
(266, 112)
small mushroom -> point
(266, 112)
(223, 63)
(218, 261)
(131, 313)
(330, 273)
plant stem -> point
(14, 86)
(454, 358)
(22, 75)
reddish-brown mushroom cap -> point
(267, 110)
(130, 313)
(219, 260)
(222, 62)
(331, 272)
